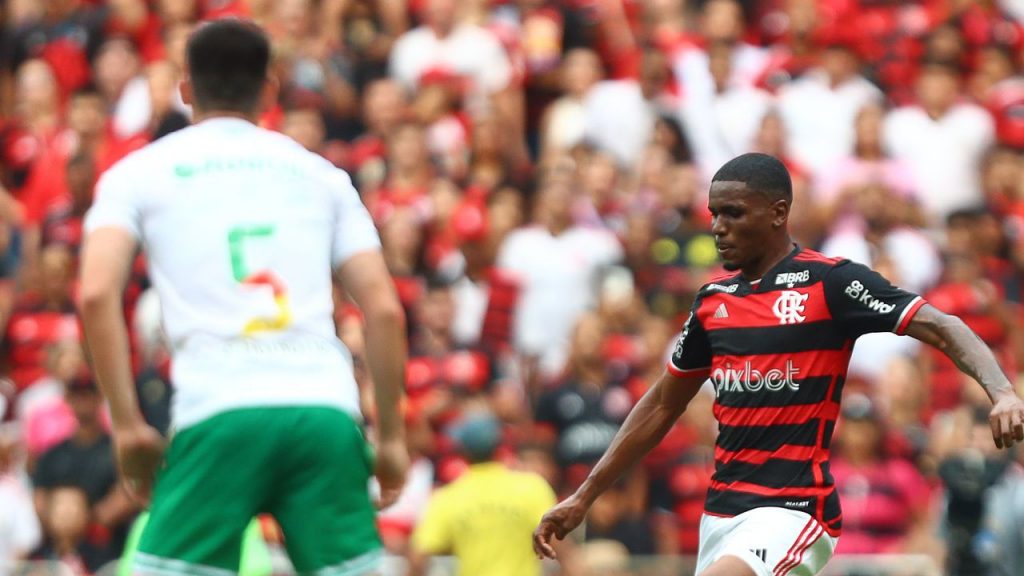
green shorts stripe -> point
(309, 467)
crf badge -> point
(789, 308)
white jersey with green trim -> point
(242, 228)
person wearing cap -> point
(485, 517)
(86, 461)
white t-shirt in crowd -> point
(723, 125)
(19, 528)
(819, 119)
(469, 51)
(944, 155)
(242, 228)
(558, 282)
(618, 120)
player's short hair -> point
(761, 173)
(228, 61)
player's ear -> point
(185, 88)
(780, 213)
(268, 97)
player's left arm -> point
(951, 335)
(862, 301)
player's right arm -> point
(646, 425)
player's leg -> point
(770, 542)
(322, 497)
(730, 566)
(213, 481)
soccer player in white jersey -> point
(243, 230)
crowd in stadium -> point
(538, 170)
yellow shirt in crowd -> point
(486, 520)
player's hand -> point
(139, 449)
(390, 469)
(557, 523)
(1007, 421)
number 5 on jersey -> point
(236, 243)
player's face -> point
(741, 222)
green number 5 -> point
(236, 244)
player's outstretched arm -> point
(950, 335)
(646, 425)
(106, 261)
(365, 277)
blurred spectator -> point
(836, 189)
(722, 123)
(972, 468)
(585, 410)
(564, 123)
(66, 521)
(47, 418)
(619, 115)
(722, 22)
(942, 140)
(556, 264)
(66, 35)
(613, 517)
(885, 499)
(34, 125)
(86, 462)
(384, 107)
(409, 175)
(495, 543)
(43, 318)
(881, 225)
(118, 76)
(62, 223)
(19, 527)
(819, 108)
(446, 44)
(1004, 513)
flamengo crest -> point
(789, 308)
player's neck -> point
(780, 249)
(212, 114)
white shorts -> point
(773, 541)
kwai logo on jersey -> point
(859, 293)
(748, 379)
(789, 307)
(792, 278)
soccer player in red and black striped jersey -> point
(774, 334)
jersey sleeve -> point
(692, 354)
(116, 203)
(354, 230)
(863, 302)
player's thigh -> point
(213, 482)
(770, 541)
(322, 497)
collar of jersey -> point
(755, 285)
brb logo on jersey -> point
(858, 292)
(789, 308)
(747, 378)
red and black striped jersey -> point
(776, 351)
